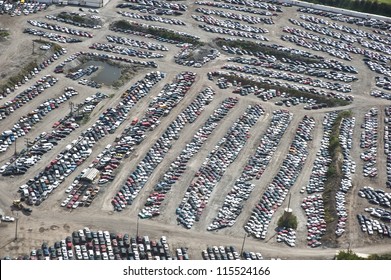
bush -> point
(347, 255)
(4, 33)
(288, 220)
(350, 255)
(159, 32)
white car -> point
(7, 219)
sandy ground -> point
(49, 222)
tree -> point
(288, 220)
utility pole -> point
(244, 241)
(33, 47)
(138, 219)
(15, 147)
(27, 140)
(16, 226)
(71, 108)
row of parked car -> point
(186, 56)
(279, 48)
(313, 206)
(282, 75)
(171, 21)
(241, 76)
(349, 39)
(236, 16)
(256, 164)
(348, 168)
(214, 166)
(348, 29)
(376, 197)
(299, 38)
(359, 21)
(86, 244)
(387, 143)
(380, 94)
(231, 32)
(88, 71)
(383, 82)
(262, 8)
(124, 50)
(179, 165)
(161, 4)
(76, 153)
(230, 24)
(147, 35)
(379, 68)
(23, 126)
(51, 36)
(27, 95)
(381, 213)
(369, 226)
(287, 236)
(91, 22)
(286, 99)
(32, 74)
(228, 253)
(90, 83)
(159, 107)
(109, 159)
(302, 68)
(368, 142)
(150, 9)
(46, 141)
(18, 8)
(323, 158)
(59, 28)
(273, 197)
(136, 43)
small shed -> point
(90, 174)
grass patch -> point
(4, 33)
(15, 79)
(350, 255)
(334, 177)
(82, 20)
(155, 31)
(26, 70)
(265, 49)
(54, 46)
(330, 102)
(84, 119)
(127, 73)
